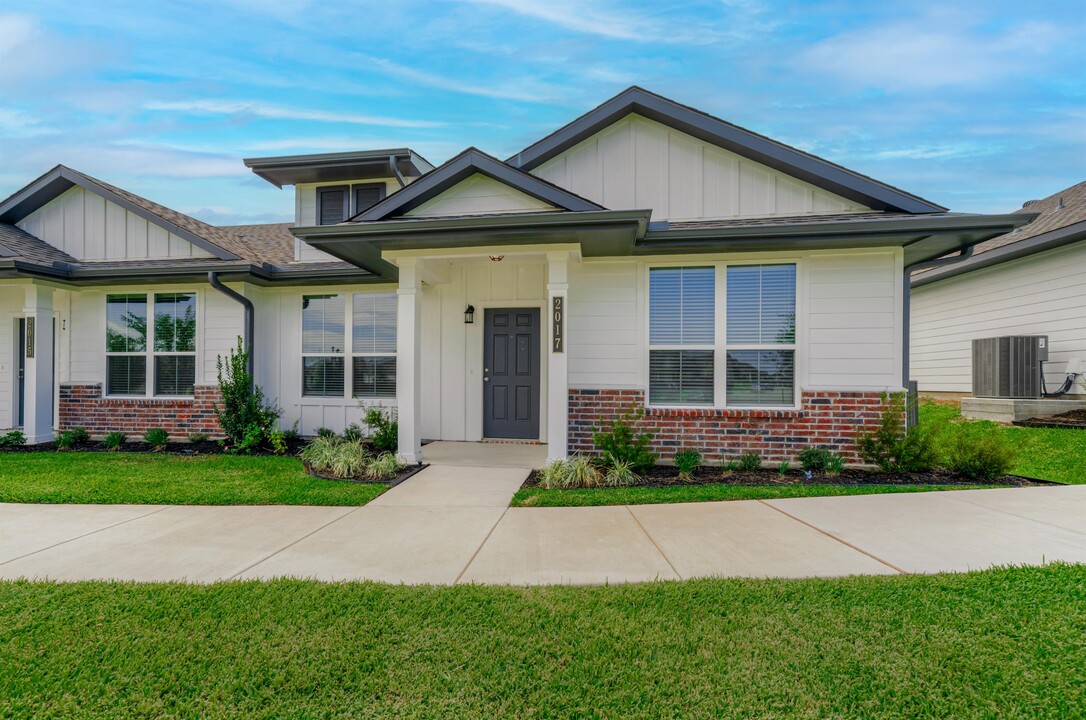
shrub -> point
(80, 436)
(328, 433)
(114, 440)
(335, 456)
(576, 472)
(384, 430)
(277, 440)
(64, 440)
(983, 454)
(891, 447)
(243, 404)
(292, 433)
(197, 437)
(751, 462)
(820, 459)
(687, 461)
(353, 433)
(622, 442)
(383, 467)
(15, 438)
(619, 474)
(156, 438)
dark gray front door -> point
(511, 373)
(20, 370)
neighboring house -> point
(748, 295)
(1030, 281)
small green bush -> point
(114, 440)
(622, 442)
(80, 436)
(15, 438)
(323, 432)
(156, 438)
(575, 472)
(243, 403)
(292, 433)
(982, 454)
(687, 461)
(820, 459)
(384, 430)
(198, 437)
(277, 440)
(891, 447)
(751, 462)
(353, 433)
(64, 440)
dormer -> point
(332, 187)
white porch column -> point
(557, 362)
(408, 374)
(38, 373)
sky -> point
(977, 105)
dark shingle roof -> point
(1056, 211)
(16, 243)
(267, 242)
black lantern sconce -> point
(469, 315)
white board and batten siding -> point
(479, 195)
(1042, 294)
(89, 227)
(639, 163)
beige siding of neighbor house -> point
(479, 195)
(88, 227)
(639, 163)
(1043, 294)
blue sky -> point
(975, 105)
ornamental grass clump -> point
(157, 438)
(383, 467)
(573, 473)
(686, 462)
(332, 455)
(114, 440)
(619, 473)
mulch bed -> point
(1071, 419)
(667, 476)
(207, 447)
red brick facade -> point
(829, 419)
(83, 406)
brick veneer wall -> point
(830, 419)
(83, 406)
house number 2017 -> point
(558, 330)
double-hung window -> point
(166, 346)
(682, 333)
(761, 335)
(371, 322)
(741, 351)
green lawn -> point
(73, 477)
(1004, 643)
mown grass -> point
(1004, 643)
(74, 477)
(539, 497)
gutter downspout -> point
(396, 171)
(963, 254)
(250, 323)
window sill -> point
(737, 412)
(149, 399)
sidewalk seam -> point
(292, 543)
(1021, 517)
(87, 534)
(834, 537)
(654, 544)
(479, 549)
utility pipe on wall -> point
(250, 323)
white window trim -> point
(150, 353)
(352, 354)
(720, 345)
(347, 353)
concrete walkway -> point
(452, 524)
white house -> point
(1030, 281)
(749, 296)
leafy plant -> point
(383, 466)
(983, 454)
(353, 433)
(835, 465)
(751, 462)
(156, 438)
(619, 474)
(687, 461)
(323, 432)
(384, 428)
(891, 447)
(292, 433)
(277, 439)
(622, 442)
(80, 436)
(243, 404)
(114, 440)
(253, 439)
(64, 440)
(783, 468)
(15, 438)
(820, 459)
(575, 472)
(332, 455)
(197, 437)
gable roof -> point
(463, 166)
(18, 244)
(805, 166)
(1061, 220)
(60, 179)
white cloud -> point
(277, 112)
(523, 89)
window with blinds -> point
(323, 345)
(366, 195)
(761, 335)
(682, 333)
(167, 345)
(373, 345)
(331, 205)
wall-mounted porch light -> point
(469, 314)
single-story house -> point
(748, 296)
(1029, 281)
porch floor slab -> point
(485, 454)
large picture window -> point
(749, 348)
(367, 326)
(167, 345)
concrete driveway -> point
(452, 524)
